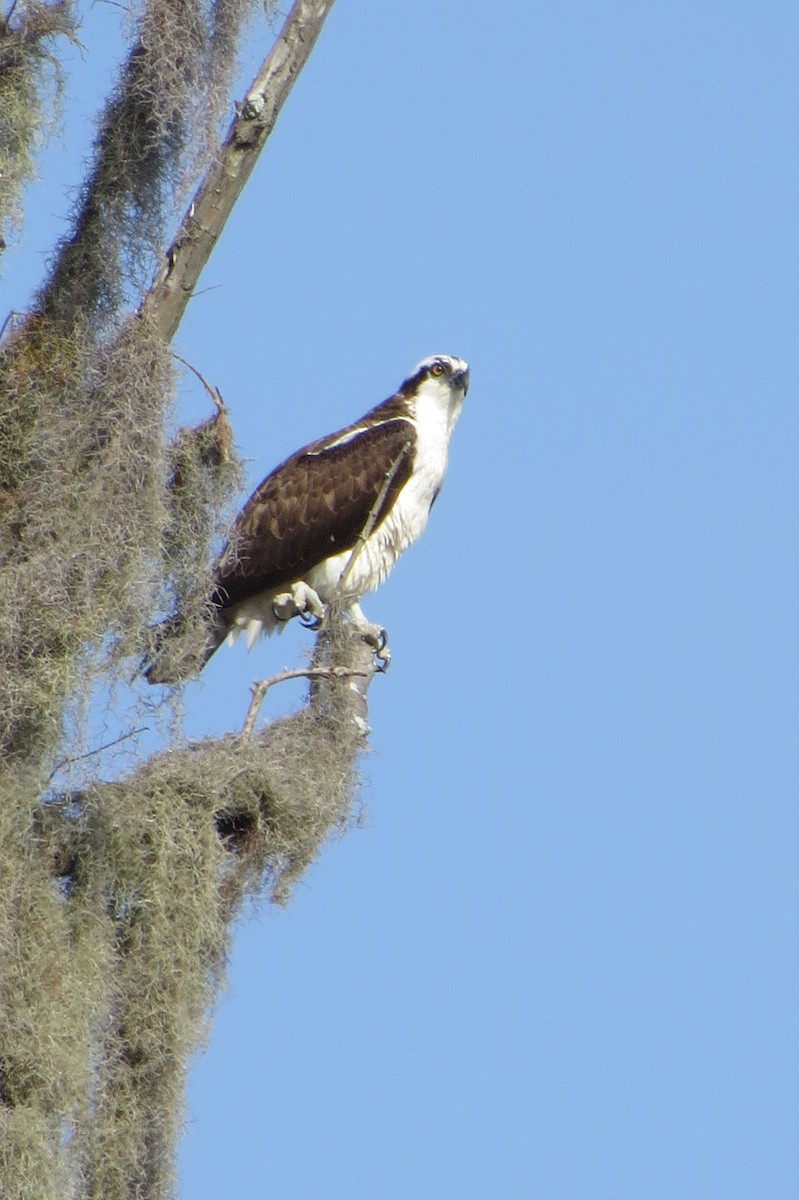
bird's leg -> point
(301, 601)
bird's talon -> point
(382, 660)
(283, 608)
(303, 602)
(374, 636)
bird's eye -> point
(437, 369)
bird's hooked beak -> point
(460, 379)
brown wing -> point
(315, 504)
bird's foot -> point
(303, 602)
(376, 637)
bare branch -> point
(214, 200)
(213, 392)
(260, 689)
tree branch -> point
(260, 689)
(173, 286)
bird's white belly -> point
(372, 560)
(375, 558)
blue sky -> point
(559, 959)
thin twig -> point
(260, 689)
(213, 392)
(67, 762)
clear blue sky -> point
(559, 959)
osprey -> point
(332, 520)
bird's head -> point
(442, 371)
(439, 381)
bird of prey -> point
(331, 521)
